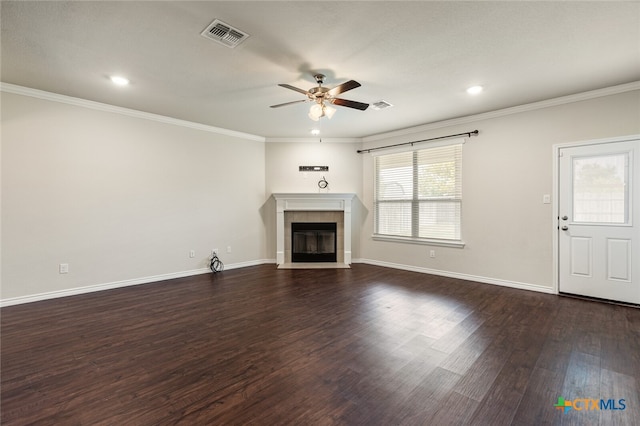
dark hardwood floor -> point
(365, 346)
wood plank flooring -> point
(361, 346)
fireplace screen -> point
(313, 242)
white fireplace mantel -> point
(312, 202)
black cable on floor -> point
(216, 264)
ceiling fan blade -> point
(351, 84)
(350, 104)
(288, 103)
(288, 86)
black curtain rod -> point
(475, 132)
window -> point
(418, 195)
(600, 186)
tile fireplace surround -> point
(317, 208)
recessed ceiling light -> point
(315, 132)
(474, 90)
(120, 81)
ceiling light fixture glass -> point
(316, 111)
(328, 111)
(120, 81)
(474, 90)
(315, 132)
(319, 109)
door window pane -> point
(599, 189)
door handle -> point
(565, 217)
(565, 228)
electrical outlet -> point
(432, 253)
(192, 253)
(63, 268)
(228, 249)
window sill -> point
(422, 241)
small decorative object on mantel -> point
(323, 185)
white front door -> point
(599, 220)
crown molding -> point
(69, 100)
(41, 94)
(315, 139)
(607, 91)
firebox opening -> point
(313, 242)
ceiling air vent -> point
(380, 105)
(224, 34)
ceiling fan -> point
(321, 94)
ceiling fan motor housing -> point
(318, 92)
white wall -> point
(344, 176)
(120, 199)
(284, 158)
(506, 170)
(123, 199)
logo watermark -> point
(589, 404)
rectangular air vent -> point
(224, 34)
(380, 105)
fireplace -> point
(314, 242)
(316, 208)
(311, 222)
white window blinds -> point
(418, 194)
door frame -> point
(555, 197)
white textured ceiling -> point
(419, 56)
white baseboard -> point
(480, 279)
(163, 277)
(124, 283)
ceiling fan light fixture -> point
(316, 111)
(328, 111)
(320, 94)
